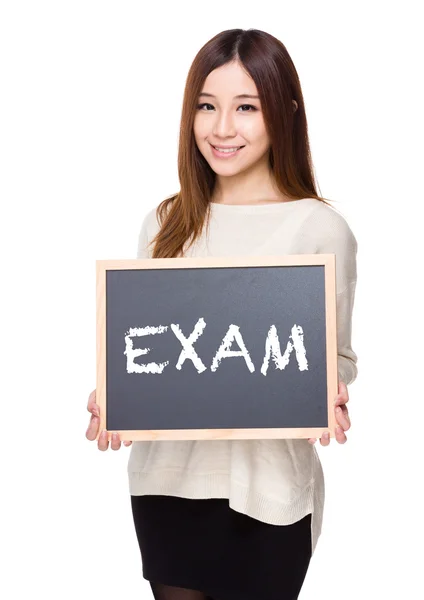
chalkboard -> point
(217, 348)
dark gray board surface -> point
(253, 298)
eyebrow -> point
(235, 97)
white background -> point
(91, 96)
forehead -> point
(229, 81)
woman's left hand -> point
(342, 417)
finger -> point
(325, 439)
(312, 440)
(342, 417)
(93, 428)
(116, 442)
(341, 401)
(91, 400)
(342, 387)
(127, 443)
(92, 406)
(103, 442)
(343, 395)
(95, 410)
(340, 435)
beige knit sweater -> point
(275, 481)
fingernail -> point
(338, 409)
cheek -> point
(200, 130)
(254, 132)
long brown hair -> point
(183, 215)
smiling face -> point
(223, 120)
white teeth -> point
(226, 150)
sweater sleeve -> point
(335, 237)
(341, 242)
(346, 358)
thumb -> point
(342, 387)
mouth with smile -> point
(225, 151)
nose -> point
(224, 125)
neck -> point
(248, 187)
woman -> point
(239, 519)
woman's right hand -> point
(94, 424)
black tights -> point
(168, 592)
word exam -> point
(272, 349)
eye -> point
(250, 106)
(199, 106)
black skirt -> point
(205, 545)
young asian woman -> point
(239, 519)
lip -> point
(226, 147)
(225, 155)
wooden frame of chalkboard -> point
(323, 388)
